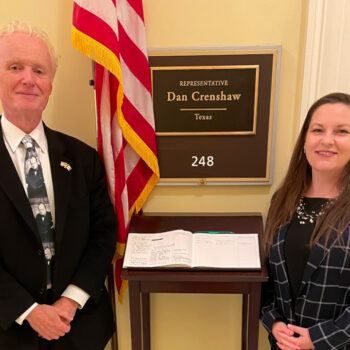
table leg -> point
(135, 315)
(244, 320)
(253, 316)
(146, 329)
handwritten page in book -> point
(159, 249)
(227, 251)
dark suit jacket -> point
(85, 231)
(323, 301)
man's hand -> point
(67, 307)
(48, 322)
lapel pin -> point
(66, 166)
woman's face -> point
(327, 142)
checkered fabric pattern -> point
(323, 301)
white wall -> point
(327, 53)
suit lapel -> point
(277, 257)
(12, 186)
(62, 182)
(282, 273)
(317, 254)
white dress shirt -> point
(12, 137)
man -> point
(49, 298)
(44, 220)
(35, 180)
(46, 230)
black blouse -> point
(296, 246)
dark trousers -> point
(45, 344)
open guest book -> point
(184, 249)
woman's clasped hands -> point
(286, 339)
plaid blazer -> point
(323, 301)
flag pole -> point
(111, 289)
(110, 276)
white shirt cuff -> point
(77, 294)
(21, 318)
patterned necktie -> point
(39, 202)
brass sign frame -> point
(241, 158)
(227, 67)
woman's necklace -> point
(309, 218)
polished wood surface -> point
(142, 282)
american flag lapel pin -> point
(66, 166)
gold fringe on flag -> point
(106, 58)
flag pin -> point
(66, 166)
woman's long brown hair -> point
(297, 181)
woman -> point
(306, 305)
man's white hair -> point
(21, 27)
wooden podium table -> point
(142, 282)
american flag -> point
(112, 34)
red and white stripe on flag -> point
(112, 33)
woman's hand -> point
(282, 335)
(286, 340)
(303, 341)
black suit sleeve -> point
(100, 247)
(14, 299)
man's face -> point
(42, 209)
(34, 163)
(26, 74)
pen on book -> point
(156, 239)
(215, 232)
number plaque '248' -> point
(202, 161)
